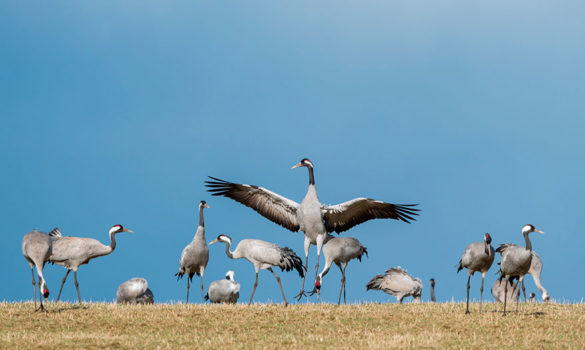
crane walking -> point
(339, 250)
(516, 260)
(478, 256)
(195, 255)
(316, 220)
(72, 252)
(264, 255)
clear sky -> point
(115, 112)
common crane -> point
(195, 255)
(310, 216)
(226, 290)
(478, 256)
(263, 255)
(397, 282)
(134, 291)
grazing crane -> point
(433, 290)
(310, 216)
(134, 291)
(498, 290)
(532, 295)
(224, 291)
(339, 250)
(195, 256)
(72, 252)
(263, 255)
(36, 248)
(397, 282)
(516, 260)
(478, 256)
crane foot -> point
(300, 295)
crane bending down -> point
(339, 250)
(195, 255)
(72, 252)
(498, 290)
(535, 271)
(134, 291)
(226, 290)
(516, 260)
(478, 256)
(310, 216)
(36, 248)
(397, 282)
(263, 255)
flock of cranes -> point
(317, 221)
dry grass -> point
(305, 325)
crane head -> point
(203, 204)
(487, 238)
(45, 289)
(432, 282)
(229, 275)
(118, 229)
(529, 228)
(221, 238)
(304, 162)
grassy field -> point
(273, 326)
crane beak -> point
(296, 166)
(212, 242)
(127, 230)
(539, 231)
(206, 206)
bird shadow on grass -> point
(70, 308)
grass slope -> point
(304, 325)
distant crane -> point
(224, 291)
(478, 256)
(532, 295)
(134, 291)
(310, 216)
(195, 255)
(72, 252)
(516, 260)
(499, 288)
(339, 250)
(433, 290)
(36, 248)
(263, 255)
(397, 282)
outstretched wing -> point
(272, 206)
(342, 217)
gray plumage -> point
(516, 260)
(72, 252)
(397, 282)
(226, 290)
(339, 250)
(36, 248)
(263, 255)
(195, 255)
(535, 270)
(134, 291)
(310, 216)
(498, 290)
(478, 256)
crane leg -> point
(302, 292)
(280, 285)
(523, 291)
(202, 295)
(77, 286)
(188, 286)
(468, 278)
(254, 290)
(505, 295)
(62, 283)
(517, 287)
(34, 288)
(343, 279)
(481, 292)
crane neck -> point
(488, 250)
(201, 222)
(528, 243)
(311, 177)
(227, 250)
(112, 241)
(433, 293)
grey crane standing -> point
(36, 248)
(224, 291)
(498, 290)
(134, 291)
(478, 256)
(339, 250)
(516, 260)
(535, 271)
(264, 255)
(397, 282)
(433, 290)
(310, 216)
(72, 252)
(195, 255)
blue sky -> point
(115, 113)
